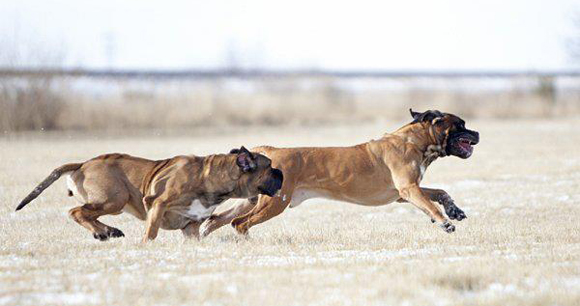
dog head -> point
(256, 173)
(450, 130)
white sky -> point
(396, 35)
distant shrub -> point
(29, 104)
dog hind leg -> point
(86, 215)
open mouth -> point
(461, 143)
(466, 145)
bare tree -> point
(29, 102)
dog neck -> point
(212, 175)
(437, 149)
(423, 136)
(432, 153)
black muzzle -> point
(273, 184)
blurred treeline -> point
(52, 100)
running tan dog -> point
(374, 173)
(175, 193)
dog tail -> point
(56, 173)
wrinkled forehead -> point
(453, 119)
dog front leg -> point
(154, 217)
(217, 220)
(412, 193)
(443, 198)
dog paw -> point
(206, 228)
(203, 230)
(115, 233)
(455, 213)
(240, 227)
(209, 225)
(448, 227)
(240, 224)
(445, 199)
(100, 236)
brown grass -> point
(519, 246)
(31, 104)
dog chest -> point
(196, 210)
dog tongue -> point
(466, 146)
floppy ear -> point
(415, 115)
(245, 159)
(432, 116)
(429, 115)
(242, 149)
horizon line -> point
(275, 73)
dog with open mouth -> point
(374, 173)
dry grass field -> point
(520, 244)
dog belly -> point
(368, 199)
(302, 194)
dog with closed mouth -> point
(374, 173)
(175, 193)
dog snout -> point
(274, 182)
(277, 179)
(475, 136)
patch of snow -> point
(501, 288)
(507, 211)
(6, 300)
(469, 184)
(232, 289)
(572, 282)
(336, 256)
(456, 258)
(64, 298)
(402, 210)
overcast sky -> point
(377, 35)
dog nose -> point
(476, 135)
